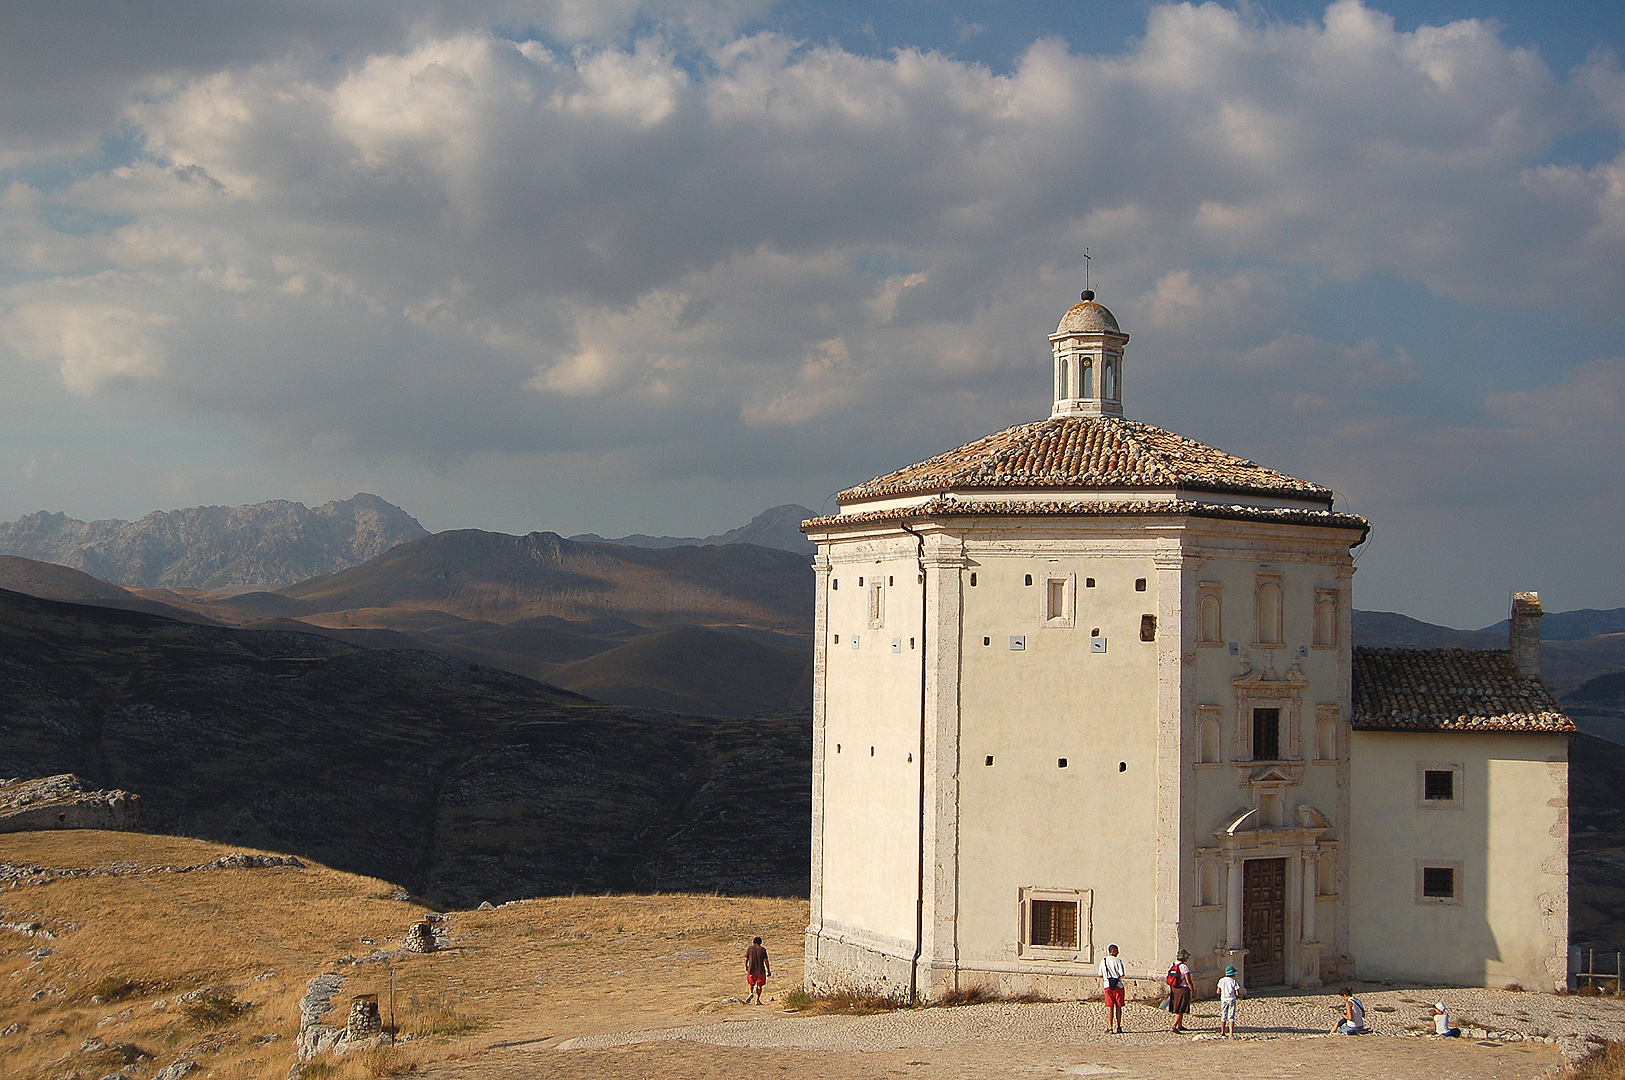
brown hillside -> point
(462, 782)
(683, 669)
(64, 583)
(498, 578)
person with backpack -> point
(1179, 989)
(1112, 991)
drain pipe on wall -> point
(919, 863)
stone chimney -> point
(1524, 634)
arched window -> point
(1062, 386)
(1325, 620)
(1086, 374)
(1211, 896)
(1108, 380)
(1210, 742)
(1326, 738)
(1269, 613)
(1209, 631)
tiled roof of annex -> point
(1450, 690)
(1072, 452)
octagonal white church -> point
(1087, 681)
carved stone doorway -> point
(1263, 885)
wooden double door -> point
(1263, 920)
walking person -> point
(1353, 1022)
(1229, 991)
(1112, 989)
(757, 970)
(1179, 989)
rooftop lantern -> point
(1088, 350)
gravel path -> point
(1575, 1024)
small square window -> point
(1148, 628)
(1088, 583)
(1439, 784)
(1439, 882)
(989, 760)
(973, 579)
(1029, 579)
(1060, 763)
(1139, 584)
(987, 641)
(1054, 924)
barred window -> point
(1439, 784)
(1439, 882)
(1266, 734)
(1054, 924)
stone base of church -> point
(857, 962)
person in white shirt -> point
(1112, 989)
(1441, 1023)
(1353, 1022)
(1229, 991)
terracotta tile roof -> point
(1087, 452)
(1449, 690)
(952, 508)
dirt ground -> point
(521, 979)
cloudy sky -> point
(655, 266)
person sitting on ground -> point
(1353, 1022)
(1179, 989)
(1441, 1023)
(757, 969)
(1112, 990)
(1229, 991)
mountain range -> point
(209, 547)
(776, 527)
(718, 625)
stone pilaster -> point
(943, 639)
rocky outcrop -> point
(271, 543)
(61, 802)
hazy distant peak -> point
(272, 543)
(776, 527)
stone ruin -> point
(364, 1027)
(364, 1019)
(62, 802)
(422, 936)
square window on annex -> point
(1179, 629)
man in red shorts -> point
(1112, 989)
(757, 969)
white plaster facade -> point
(1038, 704)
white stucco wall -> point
(1507, 831)
(1027, 822)
(871, 743)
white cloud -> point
(690, 249)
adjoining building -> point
(1087, 681)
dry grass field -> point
(520, 980)
(587, 964)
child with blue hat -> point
(1229, 991)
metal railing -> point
(1589, 976)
